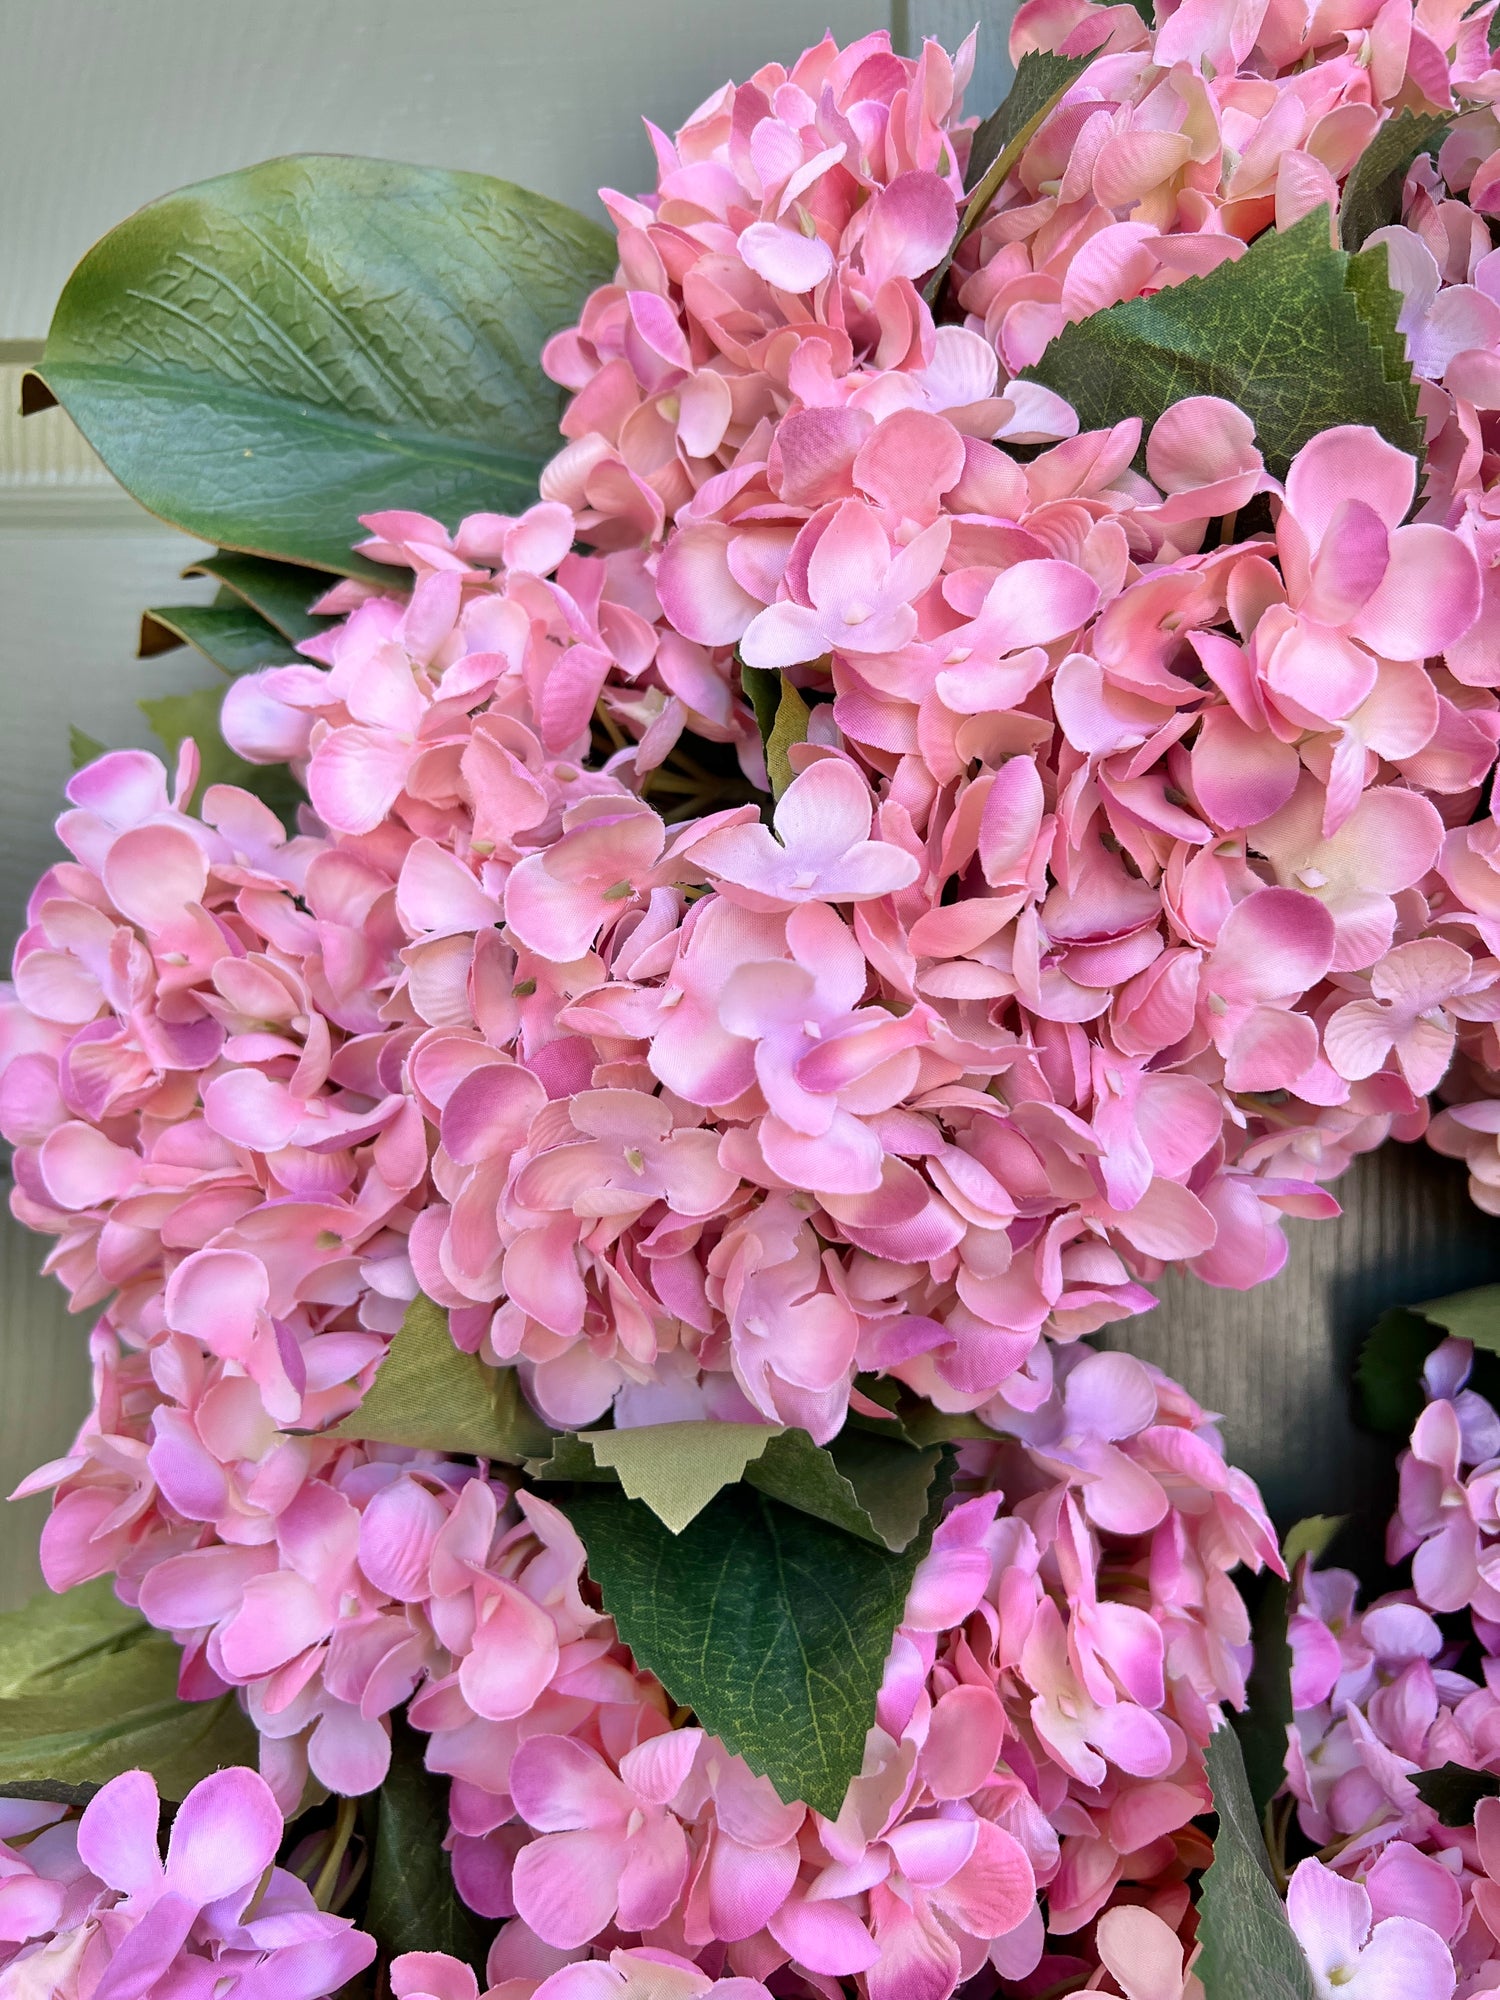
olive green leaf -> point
(1372, 193)
(88, 1690)
(790, 727)
(430, 1395)
(265, 357)
(280, 592)
(196, 714)
(913, 1418)
(876, 1488)
(1249, 1949)
(1298, 334)
(1472, 1315)
(770, 1625)
(413, 1904)
(762, 686)
(676, 1469)
(234, 637)
(82, 748)
(1454, 1791)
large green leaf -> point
(1473, 1315)
(1372, 193)
(874, 1487)
(233, 636)
(413, 1905)
(280, 592)
(264, 357)
(770, 1625)
(676, 1469)
(88, 1689)
(1249, 1950)
(430, 1395)
(1296, 333)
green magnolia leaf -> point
(1041, 81)
(1372, 193)
(770, 1625)
(676, 1469)
(1249, 1949)
(1454, 1791)
(196, 714)
(264, 357)
(1262, 1724)
(233, 636)
(280, 592)
(1473, 1316)
(413, 1905)
(873, 1487)
(88, 1690)
(82, 748)
(1295, 332)
(1388, 1374)
(430, 1395)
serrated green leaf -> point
(1388, 1374)
(1472, 1315)
(1372, 193)
(280, 592)
(413, 1905)
(88, 1690)
(1249, 1949)
(233, 636)
(82, 748)
(264, 357)
(1368, 279)
(1454, 1791)
(196, 713)
(676, 1469)
(1042, 80)
(870, 1486)
(770, 1625)
(873, 1487)
(1295, 332)
(430, 1395)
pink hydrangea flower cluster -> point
(1386, 1691)
(88, 1907)
(1126, 885)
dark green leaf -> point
(264, 357)
(1262, 1724)
(1249, 1950)
(1372, 193)
(430, 1395)
(1041, 81)
(1388, 1374)
(1296, 333)
(88, 1689)
(1369, 280)
(1493, 38)
(1473, 1316)
(413, 1905)
(873, 1487)
(233, 636)
(280, 592)
(770, 1625)
(82, 748)
(196, 714)
(1454, 1791)
(1146, 11)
